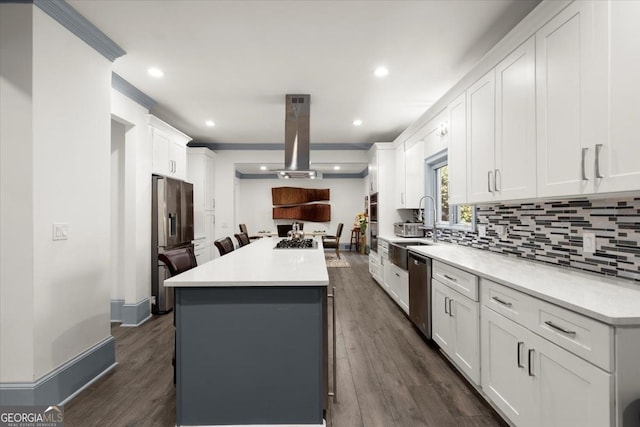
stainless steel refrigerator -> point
(171, 228)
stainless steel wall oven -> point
(373, 221)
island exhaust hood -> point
(296, 139)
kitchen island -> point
(251, 338)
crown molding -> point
(132, 92)
(71, 19)
(271, 147)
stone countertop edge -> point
(258, 264)
(609, 300)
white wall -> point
(135, 283)
(16, 197)
(228, 216)
(255, 204)
(118, 131)
(69, 170)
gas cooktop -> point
(296, 244)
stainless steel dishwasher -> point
(420, 292)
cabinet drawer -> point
(581, 335)
(512, 304)
(458, 280)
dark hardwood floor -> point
(387, 374)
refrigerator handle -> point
(173, 223)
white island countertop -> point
(259, 264)
(612, 301)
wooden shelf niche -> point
(297, 203)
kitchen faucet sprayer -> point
(421, 215)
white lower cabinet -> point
(374, 266)
(455, 328)
(537, 383)
(397, 285)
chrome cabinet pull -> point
(598, 148)
(450, 312)
(334, 394)
(530, 360)
(584, 156)
(505, 303)
(495, 180)
(489, 179)
(446, 299)
(559, 328)
(518, 347)
(453, 279)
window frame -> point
(432, 164)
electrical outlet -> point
(501, 231)
(482, 231)
(588, 243)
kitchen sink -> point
(398, 253)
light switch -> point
(60, 231)
(588, 243)
(482, 231)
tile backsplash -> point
(551, 232)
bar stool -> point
(355, 239)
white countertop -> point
(258, 264)
(612, 301)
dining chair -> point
(177, 261)
(333, 241)
(283, 229)
(243, 229)
(224, 245)
(243, 239)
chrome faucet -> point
(421, 215)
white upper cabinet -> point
(457, 152)
(616, 153)
(400, 194)
(481, 139)
(169, 149)
(501, 134)
(373, 170)
(515, 146)
(414, 173)
(566, 82)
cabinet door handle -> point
(584, 156)
(598, 148)
(505, 303)
(559, 328)
(495, 180)
(530, 360)
(398, 274)
(450, 311)
(518, 349)
(453, 279)
(446, 300)
(334, 394)
(489, 179)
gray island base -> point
(252, 354)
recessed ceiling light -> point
(155, 72)
(336, 168)
(381, 72)
(263, 168)
(357, 122)
(210, 123)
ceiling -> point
(233, 61)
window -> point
(447, 216)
